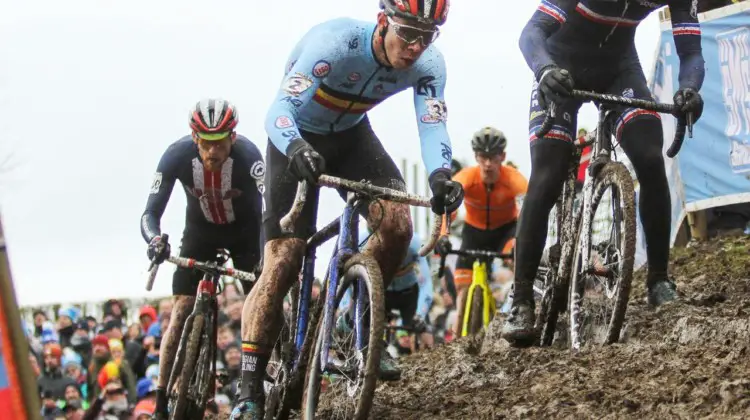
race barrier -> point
(713, 168)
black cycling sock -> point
(161, 400)
(254, 361)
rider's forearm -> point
(533, 44)
(281, 126)
(692, 71)
(150, 226)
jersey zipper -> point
(351, 104)
(488, 189)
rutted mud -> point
(688, 359)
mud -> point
(687, 359)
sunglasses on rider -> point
(412, 34)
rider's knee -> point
(394, 225)
(283, 256)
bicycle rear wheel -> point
(179, 398)
(352, 371)
(603, 270)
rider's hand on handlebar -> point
(447, 195)
(555, 84)
(158, 250)
(304, 162)
(688, 100)
(443, 245)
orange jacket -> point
(500, 200)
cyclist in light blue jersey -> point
(318, 123)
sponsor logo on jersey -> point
(628, 93)
(156, 183)
(258, 170)
(321, 69)
(284, 122)
(436, 111)
(296, 84)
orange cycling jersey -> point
(489, 209)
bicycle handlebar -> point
(472, 253)
(207, 267)
(646, 104)
(288, 221)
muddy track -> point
(688, 359)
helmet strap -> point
(384, 31)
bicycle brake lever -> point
(689, 118)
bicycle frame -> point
(346, 227)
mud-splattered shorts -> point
(354, 154)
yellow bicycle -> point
(480, 306)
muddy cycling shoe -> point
(661, 292)
(519, 327)
(247, 410)
(388, 369)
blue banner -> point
(713, 166)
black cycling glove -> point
(555, 84)
(688, 100)
(443, 245)
(304, 162)
(158, 250)
(447, 195)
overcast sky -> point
(92, 93)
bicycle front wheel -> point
(351, 369)
(603, 261)
(179, 397)
(476, 311)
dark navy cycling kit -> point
(331, 80)
(594, 41)
(223, 207)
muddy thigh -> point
(391, 223)
(262, 313)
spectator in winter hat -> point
(127, 376)
(153, 372)
(73, 369)
(73, 394)
(146, 388)
(66, 318)
(49, 335)
(99, 357)
(92, 322)
(144, 410)
(147, 316)
(52, 379)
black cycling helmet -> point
(489, 140)
(433, 12)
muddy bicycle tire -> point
(476, 312)
(614, 176)
(357, 267)
(283, 398)
(179, 410)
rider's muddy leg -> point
(391, 223)
(262, 315)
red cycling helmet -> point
(212, 119)
(431, 12)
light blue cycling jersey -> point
(332, 79)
